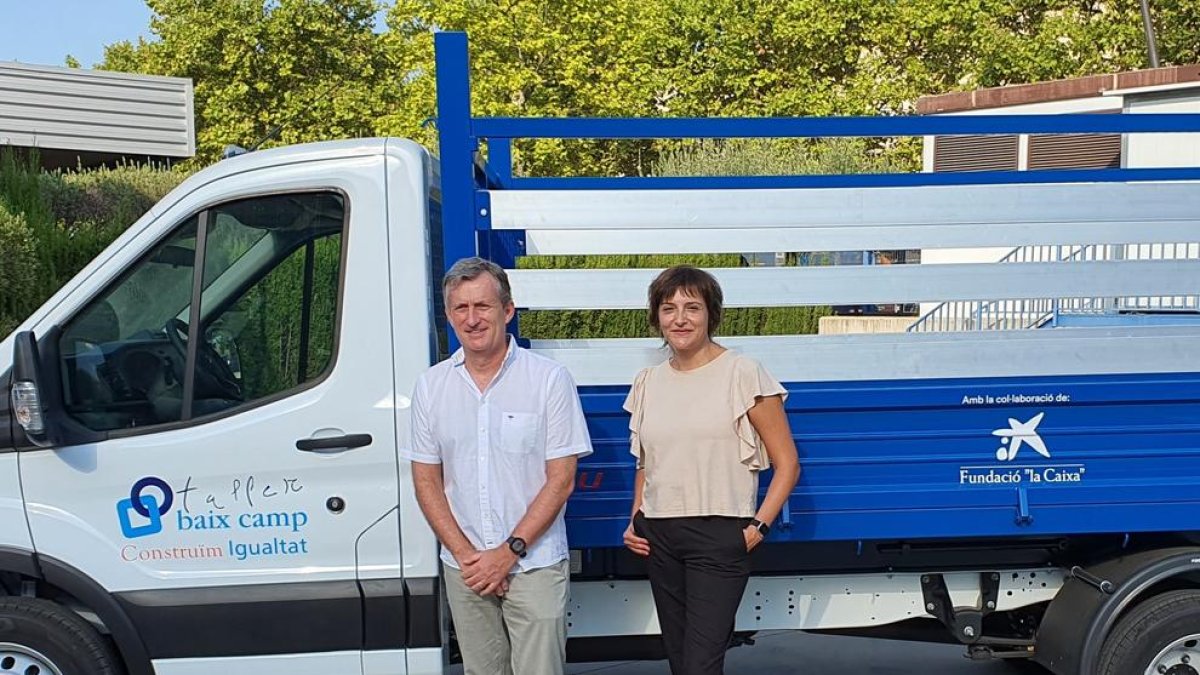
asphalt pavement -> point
(805, 654)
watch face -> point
(517, 545)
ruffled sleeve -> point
(635, 405)
(751, 381)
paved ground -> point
(804, 654)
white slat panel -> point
(118, 146)
(831, 207)
(89, 130)
(86, 76)
(51, 100)
(94, 111)
(832, 358)
(117, 89)
(124, 120)
(869, 284)
(853, 237)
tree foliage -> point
(323, 69)
(304, 69)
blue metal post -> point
(457, 148)
(500, 160)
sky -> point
(44, 32)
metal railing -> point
(1030, 313)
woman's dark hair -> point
(692, 281)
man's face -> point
(478, 317)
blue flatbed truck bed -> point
(1032, 491)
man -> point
(496, 433)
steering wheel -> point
(214, 377)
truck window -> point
(118, 366)
(268, 312)
(277, 331)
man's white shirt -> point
(493, 446)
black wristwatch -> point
(518, 546)
(759, 525)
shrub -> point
(19, 269)
(61, 220)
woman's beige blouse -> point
(691, 432)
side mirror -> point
(38, 404)
(29, 396)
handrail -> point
(1035, 313)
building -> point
(1159, 90)
(73, 117)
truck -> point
(199, 432)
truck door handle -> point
(347, 442)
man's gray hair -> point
(469, 269)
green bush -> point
(19, 268)
(707, 157)
(585, 324)
(784, 157)
(66, 218)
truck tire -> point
(39, 637)
(1161, 635)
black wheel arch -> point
(1092, 601)
(88, 592)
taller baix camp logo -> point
(141, 515)
(246, 519)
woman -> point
(703, 424)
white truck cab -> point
(237, 494)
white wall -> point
(1143, 150)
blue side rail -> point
(465, 181)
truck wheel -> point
(38, 637)
(1159, 636)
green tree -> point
(303, 69)
(679, 58)
(318, 68)
(538, 58)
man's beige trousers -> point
(524, 633)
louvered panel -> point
(975, 153)
(1075, 151)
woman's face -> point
(683, 320)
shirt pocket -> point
(519, 432)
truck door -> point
(240, 372)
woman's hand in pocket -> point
(639, 545)
(753, 537)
